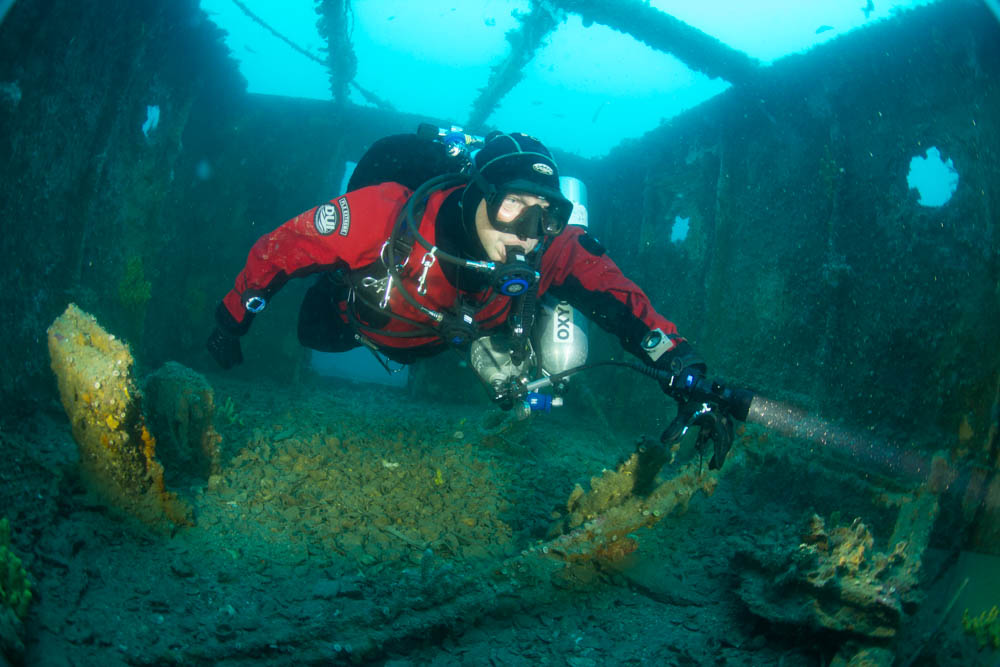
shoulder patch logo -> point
(326, 219)
(345, 216)
(542, 168)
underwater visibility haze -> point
(500, 332)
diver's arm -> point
(576, 268)
(348, 230)
(313, 241)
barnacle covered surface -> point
(103, 403)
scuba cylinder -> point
(561, 337)
(575, 191)
(561, 330)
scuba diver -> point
(434, 247)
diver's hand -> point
(685, 365)
(224, 348)
(714, 425)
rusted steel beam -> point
(524, 42)
(341, 61)
(664, 32)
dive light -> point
(699, 389)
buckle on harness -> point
(385, 260)
(427, 262)
(378, 286)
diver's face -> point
(494, 240)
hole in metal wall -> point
(935, 179)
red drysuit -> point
(350, 231)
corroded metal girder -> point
(523, 44)
(637, 18)
(342, 62)
(664, 32)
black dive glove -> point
(224, 343)
(687, 386)
(682, 361)
(708, 405)
(224, 348)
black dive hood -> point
(512, 164)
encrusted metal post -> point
(523, 44)
(335, 24)
(664, 32)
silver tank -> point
(561, 330)
(560, 337)
(575, 190)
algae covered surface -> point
(351, 524)
(326, 521)
(342, 524)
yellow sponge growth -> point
(117, 453)
(985, 627)
(15, 586)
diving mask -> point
(527, 213)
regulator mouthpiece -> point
(515, 276)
